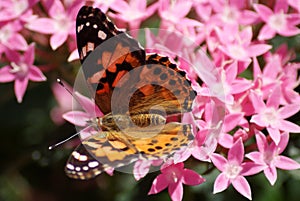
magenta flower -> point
(173, 176)
(278, 21)
(84, 118)
(233, 170)
(104, 5)
(141, 167)
(269, 156)
(233, 13)
(60, 25)
(10, 38)
(133, 12)
(15, 9)
(295, 4)
(271, 117)
(21, 70)
(239, 45)
(174, 11)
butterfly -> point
(137, 93)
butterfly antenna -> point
(59, 143)
(68, 90)
(63, 85)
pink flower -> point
(141, 167)
(15, 9)
(10, 38)
(278, 21)
(233, 13)
(173, 176)
(295, 4)
(133, 12)
(60, 25)
(174, 11)
(233, 170)
(104, 5)
(84, 118)
(173, 18)
(271, 117)
(269, 156)
(239, 45)
(21, 70)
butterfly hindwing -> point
(173, 137)
(97, 154)
(82, 165)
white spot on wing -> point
(90, 46)
(101, 35)
(79, 157)
(80, 27)
(85, 168)
(75, 154)
(95, 26)
(87, 24)
(77, 169)
(70, 166)
(93, 164)
(82, 158)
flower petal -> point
(159, 184)
(221, 183)
(141, 168)
(176, 191)
(274, 134)
(242, 186)
(289, 126)
(36, 74)
(271, 174)
(252, 168)
(20, 88)
(6, 75)
(78, 118)
(266, 33)
(219, 161)
(288, 110)
(42, 25)
(236, 152)
(192, 178)
(286, 163)
(58, 39)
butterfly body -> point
(136, 93)
(117, 122)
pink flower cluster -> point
(245, 137)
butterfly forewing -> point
(112, 53)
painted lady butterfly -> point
(136, 92)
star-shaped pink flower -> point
(271, 117)
(269, 156)
(21, 70)
(233, 170)
(173, 176)
(60, 25)
(10, 38)
(278, 21)
(133, 12)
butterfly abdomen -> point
(144, 120)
